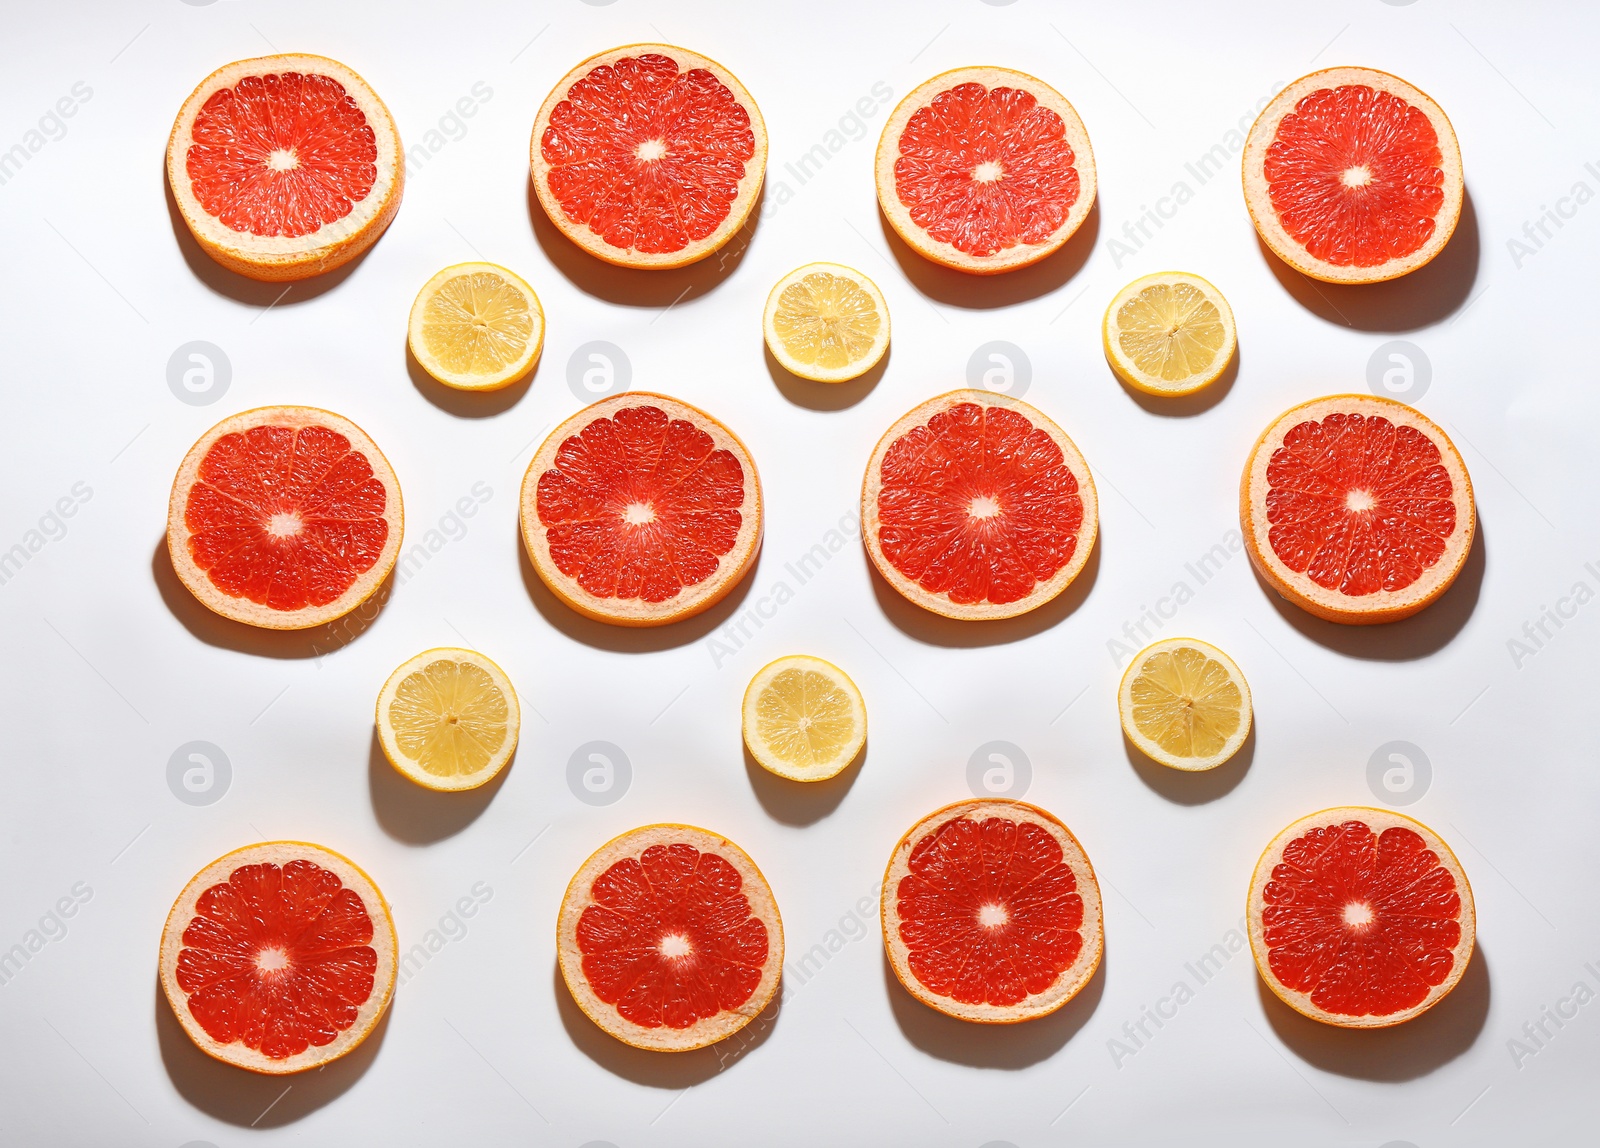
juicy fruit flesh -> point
(281, 154)
(648, 157)
(1354, 174)
(827, 320)
(477, 324)
(986, 169)
(805, 719)
(1186, 703)
(978, 504)
(1358, 504)
(449, 717)
(1171, 331)
(640, 506)
(278, 958)
(1365, 923)
(286, 517)
(670, 939)
(990, 911)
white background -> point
(110, 665)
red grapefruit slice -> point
(641, 510)
(977, 506)
(991, 912)
(279, 957)
(1352, 175)
(1357, 509)
(284, 517)
(285, 166)
(985, 170)
(669, 938)
(649, 155)
(1360, 917)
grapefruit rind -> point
(241, 609)
(513, 372)
(768, 760)
(763, 907)
(816, 374)
(947, 254)
(749, 188)
(277, 258)
(691, 600)
(940, 603)
(384, 943)
(408, 768)
(1067, 985)
(1128, 371)
(1378, 820)
(1150, 748)
(1258, 196)
(1381, 605)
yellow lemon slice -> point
(448, 719)
(1169, 334)
(826, 322)
(476, 327)
(1185, 704)
(804, 719)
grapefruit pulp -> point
(991, 912)
(1360, 918)
(977, 506)
(641, 510)
(649, 155)
(669, 938)
(279, 957)
(285, 166)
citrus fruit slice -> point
(284, 517)
(641, 510)
(279, 957)
(669, 938)
(826, 322)
(1169, 334)
(991, 912)
(803, 718)
(285, 166)
(975, 505)
(1352, 175)
(1185, 704)
(1357, 509)
(649, 155)
(448, 719)
(1360, 918)
(985, 170)
(476, 327)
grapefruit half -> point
(649, 155)
(977, 506)
(1360, 918)
(641, 510)
(1357, 509)
(285, 166)
(985, 170)
(991, 912)
(279, 957)
(284, 517)
(1352, 175)
(669, 938)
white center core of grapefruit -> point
(271, 960)
(675, 945)
(987, 172)
(1359, 500)
(992, 916)
(984, 506)
(651, 150)
(638, 514)
(283, 159)
(1358, 914)
(284, 525)
(1358, 176)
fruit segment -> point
(476, 327)
(1169, 333)
(826, 322)
(1185, 704)
(803, 718)
(448, 719)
